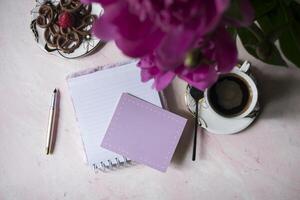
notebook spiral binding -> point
(111, 165)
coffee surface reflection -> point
(230, 95)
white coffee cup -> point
(241, 73)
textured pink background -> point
(263, 162)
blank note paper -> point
(144, 132)
(95, 96)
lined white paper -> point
(95, 96)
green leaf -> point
(232, 31)
(295, 8)
(282, 23)
(262, 7)
(250, 42)
(298, 1)
(235, 12)
(273, 20)
(276, 21)
(289, 42)
(288, 2)
(266, 24)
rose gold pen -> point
(51, 121)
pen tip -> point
(55, 90)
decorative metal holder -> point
(69, 42)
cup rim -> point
(250, 82)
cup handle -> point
(202, 123)
(245, 67)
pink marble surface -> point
(263, 162)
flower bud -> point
(193, 58)
(264, 50)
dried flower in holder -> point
(65, 24)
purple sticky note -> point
(143, 132)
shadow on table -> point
(278, 88)
(184, 147)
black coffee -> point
(229, 96)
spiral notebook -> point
(95, 94)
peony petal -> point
(149, 70)
(201, 85)
(201, 78)
(104, 28)
(131, 27)
(203, 72)
(141, 47)
(174, 47)
(222, 5)
(146, 62)
(226, 50)
(212, 14)
(161, 81)
(102, 2)
(146, 75)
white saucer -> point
(215, 123)
(87, 46)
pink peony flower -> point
(149, 70)
(163, 32)
(217, 53)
